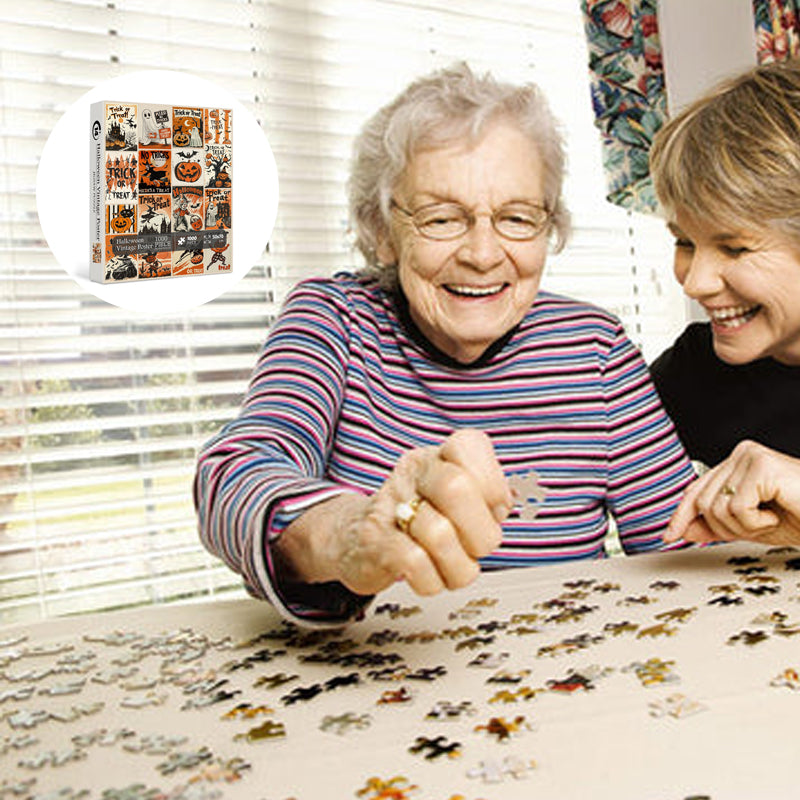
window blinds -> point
(102, 409)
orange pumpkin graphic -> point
(123, 221)
(188, 171)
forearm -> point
(307, 551)
(648, 467)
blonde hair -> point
(734, 155)
(434, 111)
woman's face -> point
(748, 282)
(466, 293)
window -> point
(102, 409)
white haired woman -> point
(390, 408)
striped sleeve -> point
(648, 467)
(269, 464)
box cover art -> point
(161, 190)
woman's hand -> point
(754, 494)
(461, 498)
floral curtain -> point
(628, 95)
(777, 29)
(627, 82)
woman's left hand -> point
(754, 495)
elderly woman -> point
(727, 171)
(390, 410)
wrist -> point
(311, 547)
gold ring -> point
(728, 490)
(405, 512)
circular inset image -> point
(157, 191)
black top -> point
(715, 405)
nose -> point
(700, 274)
(481, 247)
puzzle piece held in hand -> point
(528, 494)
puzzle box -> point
(160, 191)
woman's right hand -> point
(461, 497)
(753, 495)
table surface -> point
(648, 678)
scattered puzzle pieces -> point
(501, 728)
(267, 730)
(676, 705)
(495, 772)
(435, 747)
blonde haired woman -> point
(727, 172)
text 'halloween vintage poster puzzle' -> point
(160, 191)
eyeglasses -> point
(519, 222)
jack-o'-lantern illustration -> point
(196, 222)
(197, 257)
(123, 221)
(180, 139)
(188, 171)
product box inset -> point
(160, 191)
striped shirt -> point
(346, 383)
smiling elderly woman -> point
(390, 408)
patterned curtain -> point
(627, 82)
(777, 29)
(628, 95)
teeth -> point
(732, 317)
(475, 291)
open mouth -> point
(734, 317)
(464, 290)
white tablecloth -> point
(686, 662)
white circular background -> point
(63, 202)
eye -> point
(734, 252)
(442, 220)
(683, 244)
(517, 223)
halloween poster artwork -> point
(121, 218)
(217, 123)
(189, 260)
(187, 127)
(218, 165)
(218, 209)
(217, 255)
(187, 209)
(155, 264)
(155, 214)
(187, 166)
(120, 126)
(161, 189)
(154, 171)
(155, 125)
(121, 177)
(120, 264)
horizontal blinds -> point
(103, 410)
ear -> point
(386, 252)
